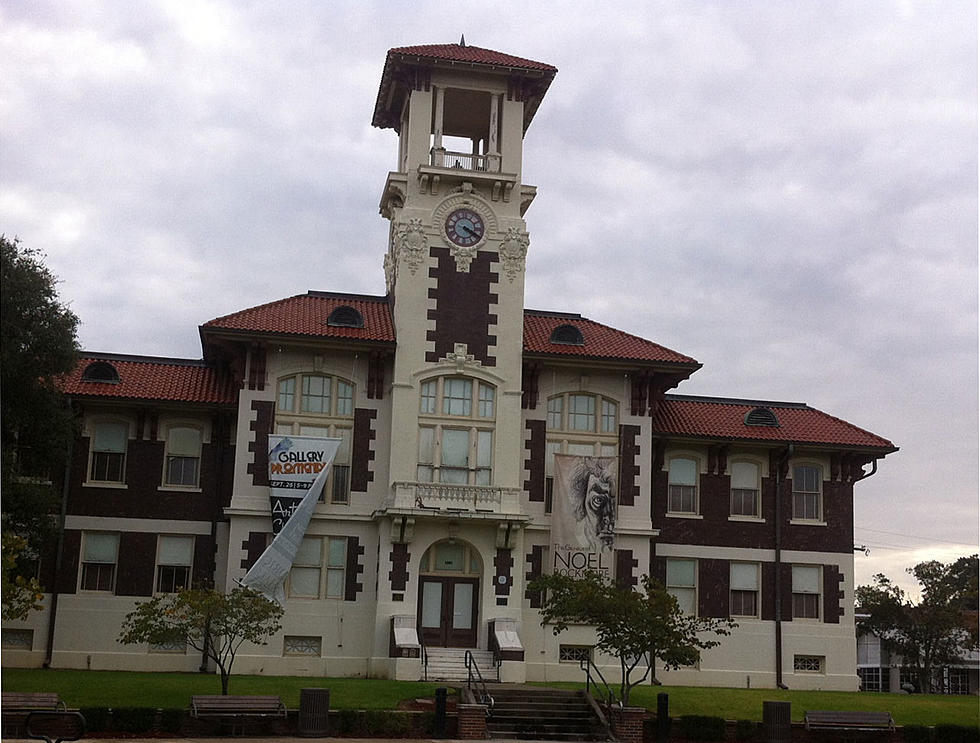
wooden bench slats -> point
(31, 700)
(848, 720)
(237, 706)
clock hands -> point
(471, 231)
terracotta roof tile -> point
(148, 378)
(307, 314)
(708, 417)
(472, 54)
(601, 341)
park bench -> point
(849, 721)
(17, 705)
(237, 710)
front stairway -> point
(449, 664)
(537, 713)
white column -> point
(493, 153)
(439, 151)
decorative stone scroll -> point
(410, 243)
(513, 251)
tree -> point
(932, 633)
(634, 626)
(209, 621)
(37, 344)
(21, 594)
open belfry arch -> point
(466, 422)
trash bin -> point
(776, 722)
(314, 713)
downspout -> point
(783, 460)
(49, 651)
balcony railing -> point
(442, 158)
(439, 496)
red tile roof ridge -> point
(373, 298)
(262, 306)
(474, 54)
(140, 358)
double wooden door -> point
(448, 611)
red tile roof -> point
(148, 378)
(601, 341)
(307, 314)
(470, 54)
(708, 417)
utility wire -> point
(913, 536)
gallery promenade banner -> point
(583, 514)
(294, 463)
(298, 470)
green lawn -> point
(136, 689)
(746, 704)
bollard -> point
(776, 722)
(439, 724)
(663, 718)
(314, 711)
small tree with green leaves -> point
(21, 595)
(211, 622)
(634, 626)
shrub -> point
(172, 720)
(957, 733)
(745, 731)
(916, 734)
(347, 723)
(702, 727)
(133, 719)
(96, 719)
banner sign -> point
(286, 454)
(583, 515)
(294, 463)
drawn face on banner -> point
(591, 493)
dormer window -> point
(100, 371)
(761, 417)
(346, 317)
(567, 335)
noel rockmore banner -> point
(583, 517)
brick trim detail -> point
(376, 375)
(361, 453)
(254, 546)
(136, 563)
(398, 575)
(503, 562)
(258, 468)
(535, 447)
(629, 470)
(624, 572)
(462, 312)
(352, 586)
(535, 561)
(713, 582)
(529, 385)
(71, 555)
(832, 594)
(256, 367)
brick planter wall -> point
(627, 724)
(473, 721)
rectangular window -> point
(287, 394)
(682, 486)
(484, 452)
(319, 569)
(870, 679)
(302, 645)
(608, 417)
(427, 398)
(808, 663)
(336, 566)
(745, 489)
(340, 471)
(806, 591)
(806, 493)
(175, 556)
(426, 454)
(486, 401)
(316, 395)
(17, 639)
(744, 589)
(457, 396)
(574, 653)
(345, 398)
(183, 456)
(99, 553)
(681, 584)
(109, 452)
(454, 465)
(555, 407)
(581, 412)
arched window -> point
(580, 424)
(456, 426)
(312, 404)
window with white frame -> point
(320, 405)
(100, 552)
(806, 591)
(183, 458)
(456, 425)
(319, 570)
(581, 425)
(107, 461)
(871, 679)
(682, 584)
(745, 489)
(807, 479)
(808, 663)
(175, 557)
(744, 589)
(682, 485)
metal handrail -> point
(425, 656)
(588, 666)
(471, 681)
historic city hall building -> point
(453, 403)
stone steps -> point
(449, 664)
(542, 714)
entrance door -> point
(448, 610)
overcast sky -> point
(786, 191)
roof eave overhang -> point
(240, 335)
(877, 451)
(616, 362)
(130, 400)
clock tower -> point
(455, 263)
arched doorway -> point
(449, 594)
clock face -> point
(465, 227)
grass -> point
(174, 690)
(135, 689)
(746, 704)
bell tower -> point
(454, 268)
